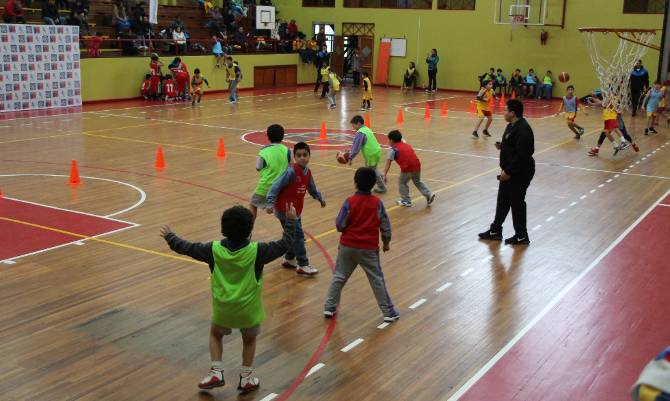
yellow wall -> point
(469, 43)
(120, 78)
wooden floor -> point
(119, 317)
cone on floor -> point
(502, 100)
(400, 119)
(322, 131)
(472, 106)
(443, 111)
(514, 94)
(426, 114)
(160, 160)
(367, 120)
(221, 150)
(492, 102)
(74, 173)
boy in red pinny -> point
(155, 67)
(146, 85)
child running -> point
(360, 221)
(366, 143)
(290, 188)
(652, 101)
(333, 88)
(570, 106)
(367, 92)
(483, 110)
(611, 123)
(272, 162)
(236, 267)
(233, 77)
(410, 169)
(196, 86)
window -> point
(412, 4)
(456, 4)
(329, 30)
(318, 3)
(644, 6)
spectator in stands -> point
(136, 14)
(214, 20)
(14, 12)
(321, 38)
(229, 21)
(241, 38)
(238, 8)
(545, 88)
(179, 38)
(78, 16)
(322, 58)
(94, 45)
(356, 67)
(177, 24)
(530, 84)
(144, 33)
(292, 30)
(119, 17)
(50, 13)
(516, 83)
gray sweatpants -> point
(331, 96)
(416, 179)
(347, 261)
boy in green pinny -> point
(271, 163)
(366, 143)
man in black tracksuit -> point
(517, 170)
(639, 82)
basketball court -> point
(94, 305)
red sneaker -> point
(213, 379)
(248, 384)
(637, 148)
(594, 151)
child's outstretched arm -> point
(197, 250)
(269, 251)
(314, 192)
(387, 167)
(206, 81)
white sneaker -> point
(306, 271)
(213, 379)
(289, 263)
(404, 203)
(248, 384)
(362, 109)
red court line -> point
(594, 343)
(21, 239)
(533, 108)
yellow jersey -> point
(483, 104)
(609, 114)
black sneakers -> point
(491, 235)
(517, 240)
(486, 132)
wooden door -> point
(264, 77)
(337, 57)
(366, 46)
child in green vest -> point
(271, 163)
(366, 143)
(236, 267)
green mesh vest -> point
(276, 162)
(237, 301)
(371, 151)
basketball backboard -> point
(529, 12)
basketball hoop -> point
(614, 69)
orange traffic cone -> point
(502, 100)
(160, 160)
(492, 102)
(74, 173)
(514, 94)
(472, 106)
(322, 131)
(426, 114)
(443, 112)
(367, 120)
(400, 119)
(221, 151)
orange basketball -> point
(564, 77)
(342, 157)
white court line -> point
(582, 197)
(438, 265)
(143, 195)
(550, 218)
(352, 345)
(601, 185)
(537, 227)
(631, 166)
(625, 170)
(466, 272)
(8, 262)
(314, 369)
(79, 243)
(573, 203)
(608, 180)
(481, 372)
(418, 303)
(592, 191)
(663, 204)
(644, 158)
(383, 325)
(457, 153)
(443, 287)
(270, 397)
(486, 259)
(562, 211)
(616, 176)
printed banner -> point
(39, 67)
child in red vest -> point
(360, 220)
(410, 169)
(290, 188)
(155, 68)
(146, 85)
(169, 88)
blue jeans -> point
(298, 251)
(544, 91)
(232, 89)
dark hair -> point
(549, 71)
(570, 87)
(301, 145)
(177, 60)
(365, 73)
(365, 178)
(237, 223)
(515, 106)
(499, 70)
(147, 76)
(531, 70)
(395, 136)
(435, 50)
(492, 69)
(275, 133)
(657, 82)
(357, 120)
(196, 71)
(229, 58)
(517, 70)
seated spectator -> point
(501, 82)
(119, 17)
(128, 47)
(515, 83)
(409, 80)
(241, 39)
(237, 8)
(50, 14)
(14, 12)
(78, 16)
(487, 76)
(136, 14)
(530, 84)
(545, 89)
(179, 38)
(229, 20)
(177, 24)
(94, 45)
(208, 5)
(144, 33)
(292, 30)
(312, 44)
(214, 20)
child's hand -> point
(165, 230)
(270, 210)
(290, 212)
(386, 248)
(498, 145)
(385, 179)
(323, 203)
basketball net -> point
(515, 21)
(613, 70)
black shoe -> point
(491, 235)
(517, 240)
(486, 132)
(475, 134)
